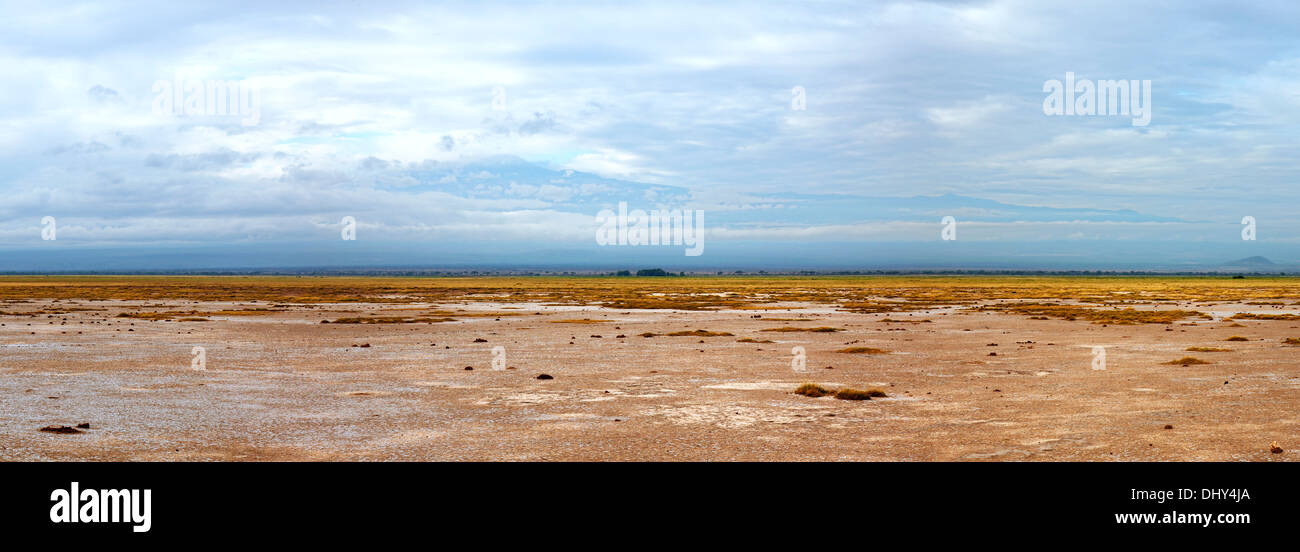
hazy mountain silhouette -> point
(1251, 261)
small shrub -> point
(1186, 361)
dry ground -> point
(281, 385)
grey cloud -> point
(79, 148)
(199, 161)
(103, 94)
(538, 124)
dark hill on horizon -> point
(1251, 261)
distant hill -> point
(1251, 261)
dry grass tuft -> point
(812, 390)
(819, 329)
(863, 351)
(688, 333)
(699, 333)
(1208, 350)
(1114, 316)
(848, 394)
(1252, 316)
(1187, 361)
(149, 315)
(390, 320)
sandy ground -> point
(283, 386)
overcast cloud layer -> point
(491, 134)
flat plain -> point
(667, 368)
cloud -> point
(966, 114)
(389, 114)
(103, 94)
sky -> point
(809, 135)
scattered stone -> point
(83, 425)
(469, 367)
(544, 376)
(1167, 426)
(1274, 448)
(60, 429)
